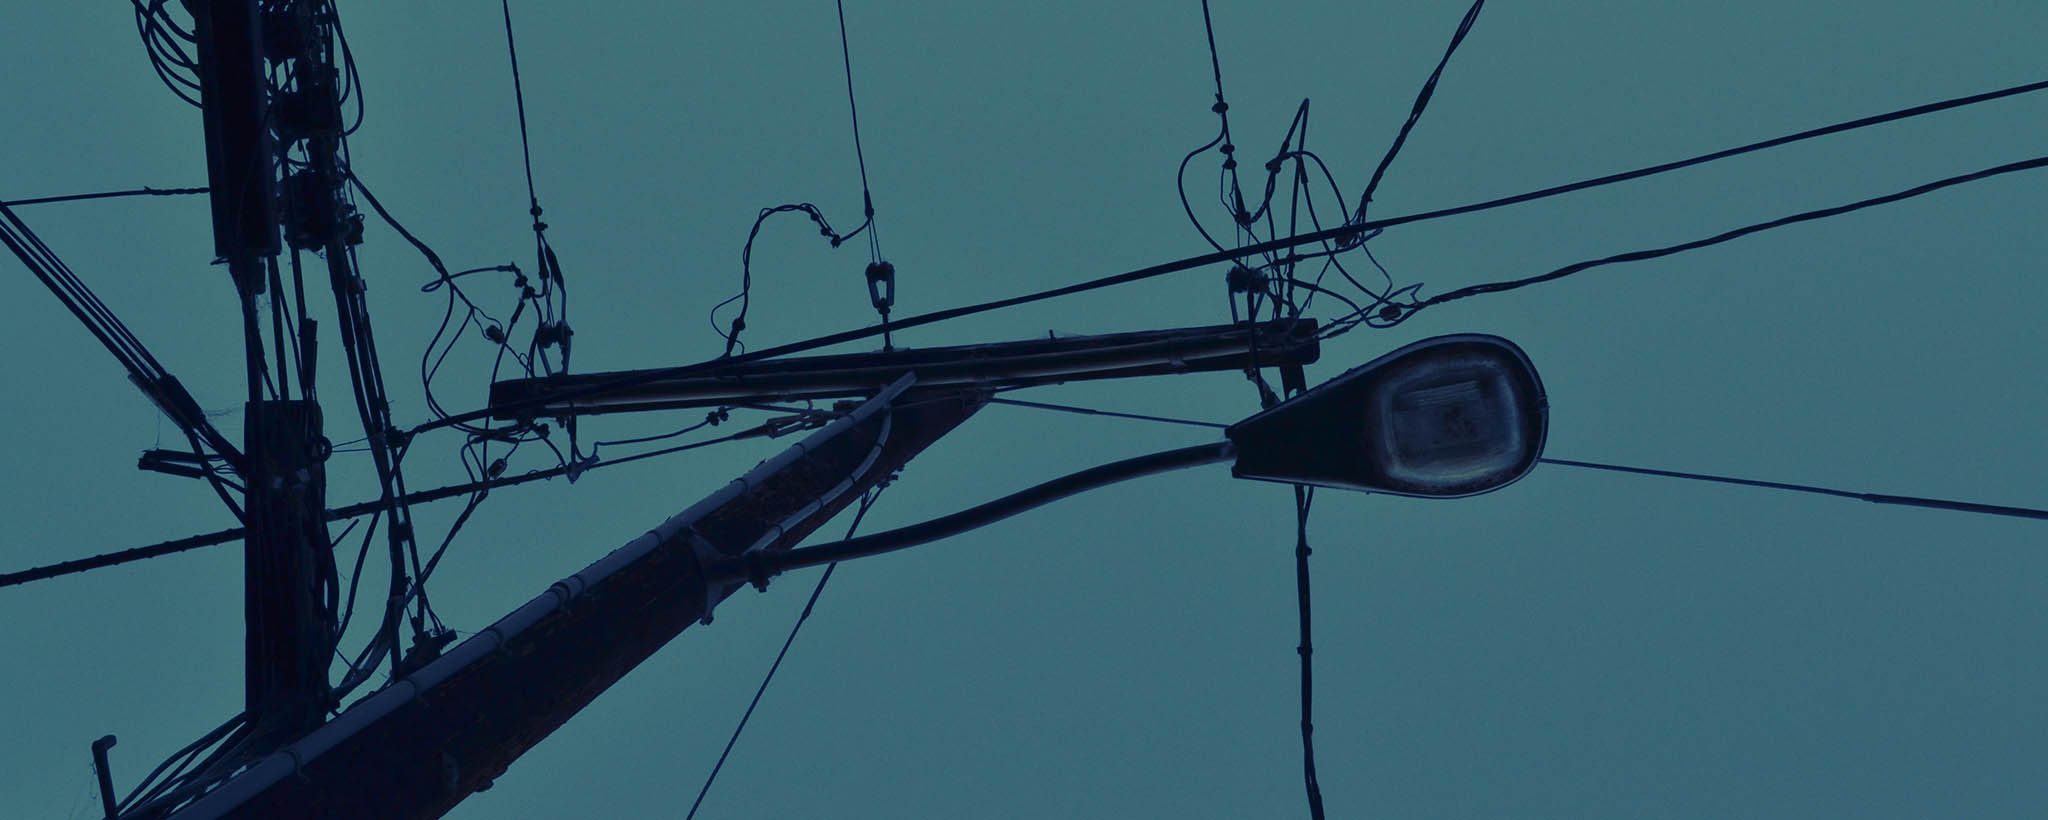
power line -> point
(1203, 260)
(865, 502)
(191, 542)
(1874, 498)
(107, 195)
(867, 199)
(1421, 102)
(1395, 313)
(519, 97)
(1066, 408)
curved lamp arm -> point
(758, 567)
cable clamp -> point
(577, 467)
(706, 555)
(758, 571)
(1244, 280)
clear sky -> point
(1577, 645)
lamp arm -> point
(760, 566)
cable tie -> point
(1220, 106)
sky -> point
(1576, 645)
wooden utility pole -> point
(288, 641)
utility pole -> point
(288, 640)
(422, 744)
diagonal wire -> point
(1875, 498)
(107, 195)
(867, 200)
(1067, 408)
(1654, 253)
(1203, 260)
(865, 502)
(1421, 102)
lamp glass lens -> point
(1451, 424)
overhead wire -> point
(1206, 259)
(877, 268)
(867, 500)
(163, 39)
(1422, 99)
(853, 110)
(44, 200)
(1874, 498)
(144, 370)
(1396, 313)
(375, 507)
(553, 296)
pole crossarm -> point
(984, 366)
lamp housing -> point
(1445, 417)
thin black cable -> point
(710, 419)
(1203, 260)
(867, 199)
(1875, 498)
(374, 507)
(41, 200)
(1303, 497)
(866, 501)
(548, 265)
(1402, 312)
(746, 295)
(1065, 408)
(1624, 176)
(757, 565)
(1421, 102)
(519, 97)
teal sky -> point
(1577, 645)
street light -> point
(1445, 417)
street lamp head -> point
(1445, 417)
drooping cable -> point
(866, 501)
(745, 297)
(880, 274)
